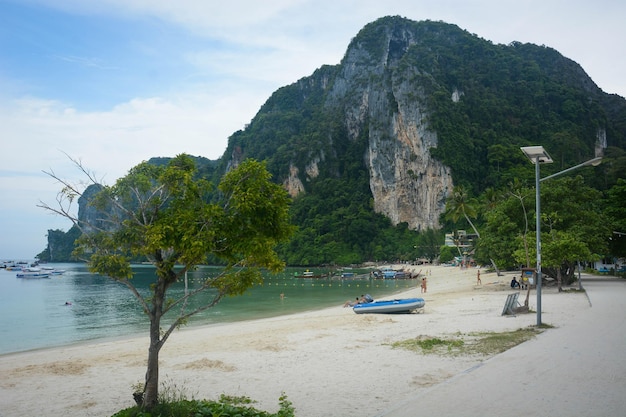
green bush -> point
(226, 406)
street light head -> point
(595, 161)
(536, 153)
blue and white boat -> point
(32, 273)
(402, 305)
(53, 271)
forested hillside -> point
(413, 110)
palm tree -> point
(519, 192)
(459, 204)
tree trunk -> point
(151, 388)
(527, 295)
(493, 263)
(559, 279)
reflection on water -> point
(34, 314)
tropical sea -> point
(79, 306)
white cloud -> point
(113, 141)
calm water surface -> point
(33, 313)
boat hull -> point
(32, 275)
(398, 306)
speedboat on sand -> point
(402, 305)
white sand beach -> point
(330, 362)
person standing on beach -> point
(478, 281)
(424, 285)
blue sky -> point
(114, 82)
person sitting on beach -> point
(523, 283)
(364, 299)
(351, 303)
(514, 283)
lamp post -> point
(538, 155)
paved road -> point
(576, 370)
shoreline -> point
(37, 322)
(328, 361)
(194, 324)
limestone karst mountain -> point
(371, 148)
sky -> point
(112, 83)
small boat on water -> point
(32, 273)
(398, 306)
(13, 267)
(309, 274)
(53, 271)
(388, 273)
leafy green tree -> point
(501, 235)
(168, 216)
(616, 210)
(573, 224)
(559, 248)
(573, 208)
(446, 254)
(505, 223)
(429, 244)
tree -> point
(519, 192)
(562, 248)
(459, 204)
(446, 254)
(175, 220)
(573, 209)
(428, 244)
(616, 210)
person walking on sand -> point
(478, 281)
(423, 285)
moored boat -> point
(397, 306)
(32, 273)
(27, 274)
(53, 271)
(388, 273)
(309, 274)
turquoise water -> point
(33, 313)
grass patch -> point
(429, 344)
(226, 406)
(575, 290)
(493, 343)
(485, 344)
(173, 402)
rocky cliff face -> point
(380, 101)
(376, 96)
(88, 216)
